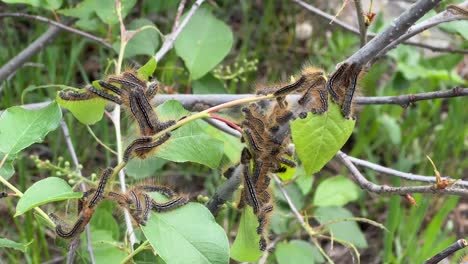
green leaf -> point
(105, 248)
(246, 248)
(460, 27)
(6, 243)
(297, 250)
(304, 181)
(294, 193)
(348, 231)
(201, 149)
(147, 70)
(232, 145)
(142, 43)
(19, 128)
(106, 11)
(45, 191)
(88, 112)
(203, 43)
(188, 234)
(319, 137)
(47, 4)
(7, 170)
(189, 142)
(83, 10)
(208, 84)
(140, 169)
(336, 191)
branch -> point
(71, 149)
(404, 175)
(457, 245)
(191, 100)
(383, 189)
(171, 38)
(224, 192)
(59, 25)
(442, 17)
(397, 28)
(354, 30)
(33, 48)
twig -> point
(171, 38)
(71, 150)
(33, 48)
(180, 9)
(59, 25)
(354, 30)
(224, 192)
(398, 27)
(457, 245)
(442, 17)
(382, 189)
(404, 175)
(361, 22)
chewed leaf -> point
(319, 137)
(19, 128)
(87, 112)
(45, 191)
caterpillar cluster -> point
(266, 145)
(136, 200)
(266, 132)
(135, 95)
(315, 88)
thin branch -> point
(59, 25)
(33, 48)
(383, 189)
(407, 99)
(171, 38)
(71, 150)
(224, 192)
(361, 23)
(404, 175)
(442, 17)
(457, 245)
(354, 30)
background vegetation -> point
(247, 43)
